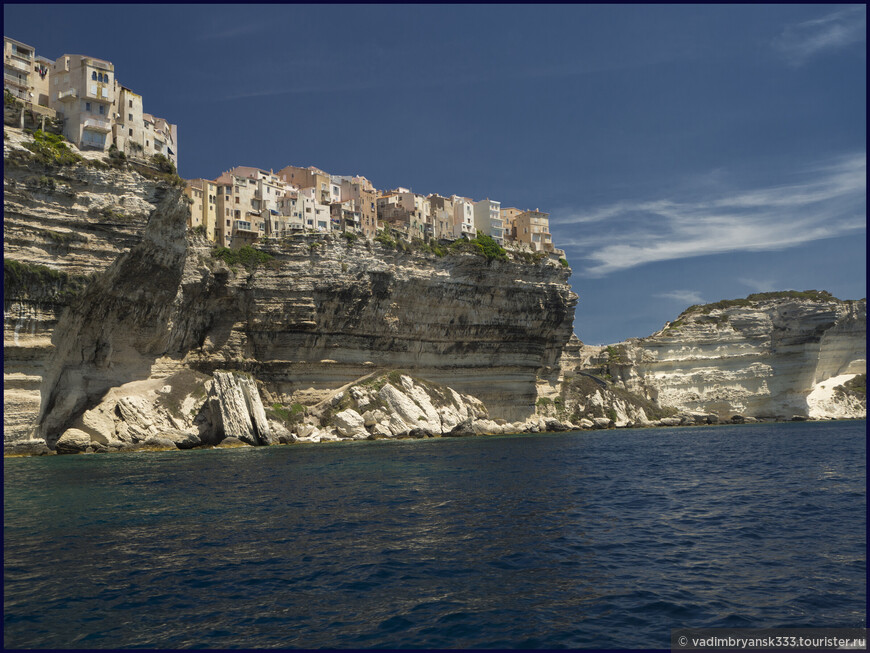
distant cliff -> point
(771, 355)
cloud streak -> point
(829, 201)
(682, 296)
(801, 41)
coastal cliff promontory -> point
(128, 302)
(770, 355)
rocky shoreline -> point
(349, 426)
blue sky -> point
(685, 153)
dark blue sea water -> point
(601, 539)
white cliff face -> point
(827, 400)
(760, 358)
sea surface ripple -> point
(595, 539)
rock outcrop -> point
(398, 405)
(772, 355)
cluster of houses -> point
(245, 205)
(96, 111)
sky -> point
(685, 153)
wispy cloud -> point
(800, 41)
(828, 201)
(759, 285)
(682, 296)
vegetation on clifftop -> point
(50, 149)
(38, 282)
(247, 256)
(751, 300)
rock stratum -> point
(314, 314)
(772, 355)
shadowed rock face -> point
(311, 320)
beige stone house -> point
(26, 75)
(533, 229)
(203, 210)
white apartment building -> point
(487, 218)
(82, 93)
(238, 214)
(315, 215)
(463, 217)
(291, 210)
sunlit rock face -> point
(75, 220)
(762, 358)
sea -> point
(604, 539)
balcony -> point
(70, 93)
(96, 125)
(26, 57)
(21, 95)
(17, 64)
(15, 80)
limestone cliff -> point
(772, 355)
(314, 313)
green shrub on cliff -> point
(385, 239)
(287, 416)
(482, 245)
(31, 280)
(814, 295)
(49, 149)
(246, 256)
(857, 387)
(488, 247)
(751, 300)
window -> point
(131, 132)
(237, 200)
(129, 116)
(102, 109)
(94, 75)
(147, 144)
(131, 105)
